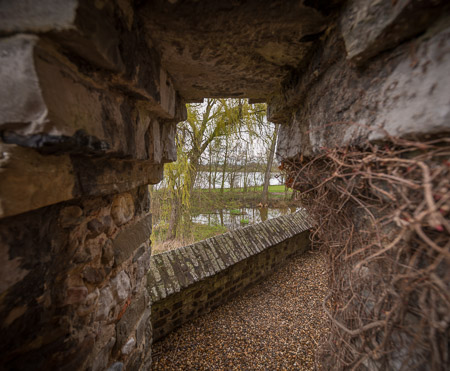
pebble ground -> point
(275, 325)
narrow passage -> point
(276, 324)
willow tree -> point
(205, 123)
(270, 157)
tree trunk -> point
(245, 173)
(224, 166)
(210, 170)
(265, 194)
(174, 219)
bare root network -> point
(382, 215)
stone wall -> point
(90, 94)
(192, 280)
(378, 80)
(374, 74)
(87, 120)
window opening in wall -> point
(225, 176)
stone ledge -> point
(29, 180)
(172, 271)
(189, 281)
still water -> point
(251, 179)
(233, 219)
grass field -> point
(232, 199)
(272, 188)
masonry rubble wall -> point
(192, 280)
(86, 123)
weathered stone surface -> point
(392, 98)
(12, 271)
(21, 99)
(76, 295)
(127, 324)
(88, 30)
(143, 327)
(99, 176)
(50, 105)
(106, 303)
(96, 227)
(93, 275)
(24, 179)
(205, 56)
(121, 286)
(90, 304)
(122, 208)
(369, 27)
(128, 347)
(131, 237)
(102, 34)
(101, 361)
(108, 253)
(117, 366)
(70, 216)
(22, 16)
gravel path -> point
(276, 324)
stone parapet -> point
(191, 280)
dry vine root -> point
(382, 214)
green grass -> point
(245, 221)
(203, 201)
(272, 188)
(202, 231)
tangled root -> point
(382, 215)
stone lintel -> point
(29, 180)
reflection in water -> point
(251, 179)
(233, 220)
(264, 213)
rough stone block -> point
(121, 286)
(142, 326)
(87, 29)
(75, 295)
(101, 360)
(70, 216)
(127, 325)
(48, 104)
(22, 16)
(401, 94)
(25, 176)
(99, 176)
(129, 239)
(105, 304)
(122, 208)
(369, 27)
